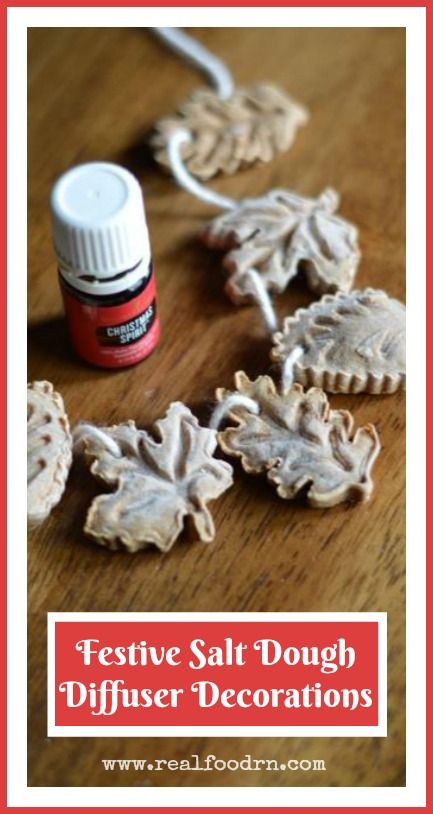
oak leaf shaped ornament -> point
(282, 234)
(351, 343)
(300, 442)
(49, 450)
(251, 125)
(160, 480)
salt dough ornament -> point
(49, 450)
(281, 234)
(160, 480)
(299, 442)
(252, 124)
(352, 343)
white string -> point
(83, 430)
(237, 400)
(263, 300)
(221, 78)
(199, 56)
(287, 372)
(175, 140)
(234, 400)
(174, 143)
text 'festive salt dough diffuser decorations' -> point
(347, 343)
(161, 480)
(49, 450)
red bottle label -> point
(114, 335)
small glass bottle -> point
(105, 267)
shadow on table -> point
(50, 354)
(138, 157)
(49, 338)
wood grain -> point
(93, 93)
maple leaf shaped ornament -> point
(281, 234)
(300, 442)
(351, 343)
(253, 124)
(161, 480)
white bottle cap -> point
(99, 223)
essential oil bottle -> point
(104, 262)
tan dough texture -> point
(160, 480)
(300, 443)
(227, 134)
(49, 450)
(352, 343)
(281, 234)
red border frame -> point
(4, 5)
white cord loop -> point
(234, 400)
(83, 431)
(287, 371)
(183, 177)
(219, 75)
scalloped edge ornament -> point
(339, 358)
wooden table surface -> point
(93, 94)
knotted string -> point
(238, 400)
(231, 401)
